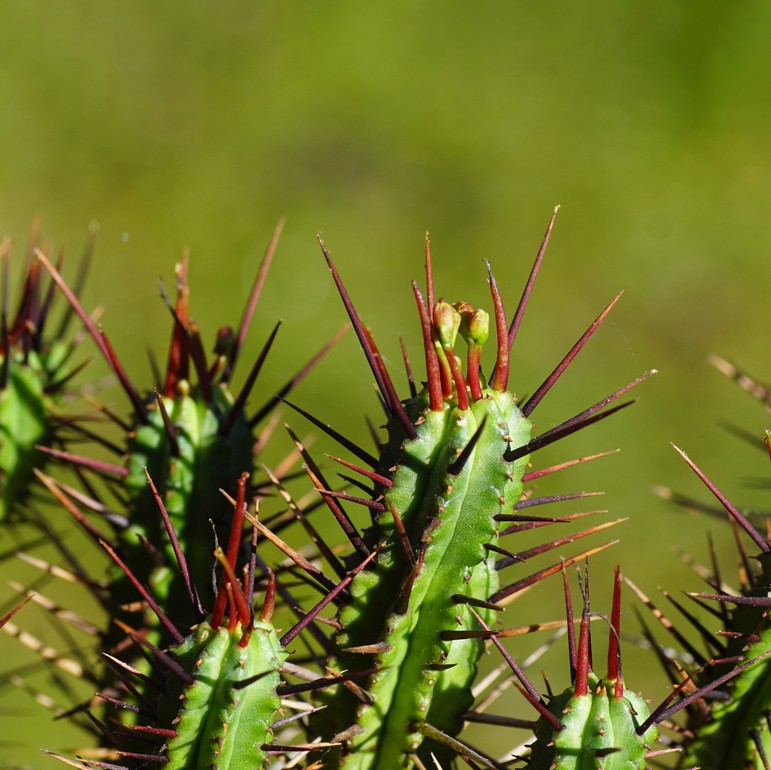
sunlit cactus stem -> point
(448, 477)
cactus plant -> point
(380, 670)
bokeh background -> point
(196, 125)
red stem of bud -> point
(473, 359)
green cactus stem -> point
(191, 433)
(448, 477)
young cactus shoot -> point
(597, 724)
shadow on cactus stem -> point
(35, 370)
(730, 729)
(190, 433)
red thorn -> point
(246, 389)
(171, 435)
(526, 582)
(408, 368)
(374, 505)
(457, 377)
(393, 398)
(354, 448)
(404, 538)
(571, 631)
(85, 462)
(324, 550)
(529, 553)
(532, 475)
(161, 732)
(55, 489)
(582, 420)
(317, 477)
(433, 374)
(527, 689)
(177, 368)
(381, 376)
(735, 513)
(343, 584)
(457, 465)
(548, 383)
(236, 529)
(269, 605)
(251, 304)
(429, 274)
(234, 594)
(145, 594)
(516, 321)
(176, 547)
(500, 379)
(473, 362)
(614, 651)
(378, 478)
(290, 385)
(297, 558)
(583, 664)
(10, 614)
(123, 378)
(75, 304)
(662, 713)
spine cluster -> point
(344, 630)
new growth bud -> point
(475, 329)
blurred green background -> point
(193, 125)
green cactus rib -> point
(201, 461)
(223, 717)
(450, 518)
